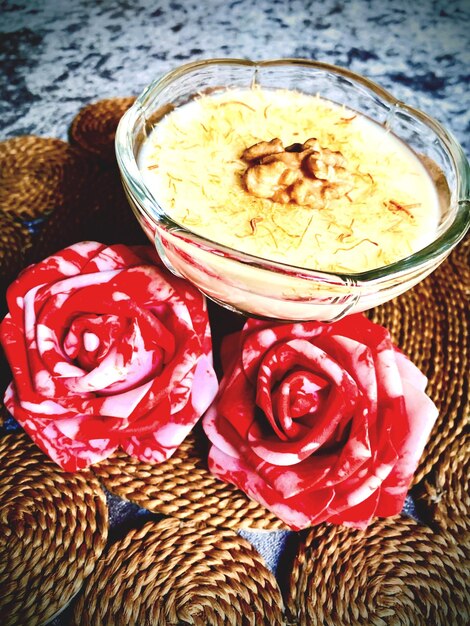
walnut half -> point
(304, 174)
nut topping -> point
(263, 148)
(265, 180)
(304, 174)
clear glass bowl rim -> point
(439, 247)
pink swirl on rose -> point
(107, 349)
(319, 422)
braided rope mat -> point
(53, 528)
(105, 217)
(94, 128)
(431, 325)
(174, 573)
(396, 572)
(39, 175)
(183, 487)
(446, 490)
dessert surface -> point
(291, 177)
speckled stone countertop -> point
(58, 56)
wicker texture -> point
(183, 487)
(396, 573)
(16, 151)
(53, 528)
(446, 491)
(15, 241)
(431, 324)
(174, 573)
(38, 175)
(94, 128)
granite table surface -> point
(56, 57)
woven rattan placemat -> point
(183, 487)
(39, 175)
(174, 573)
(53, 528)
(94, 128)
(431, 324)
(396, 572)
(445, 492)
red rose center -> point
(301, 393)
(90, 338)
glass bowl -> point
(259, 287)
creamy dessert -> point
(292, 178)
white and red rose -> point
(107, 349)
(319, 422)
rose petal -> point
(67, 262)
(221, 432)
(261, 336)
(358, 516)
(117, 256)
(168, 433)
(409, 371)
(298, 513)
(70, 454)
(421, 414)
(237, 402)
(205, 385)
(277, 360)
